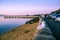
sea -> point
(9, 24)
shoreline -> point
(22, 32)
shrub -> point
(33, 20)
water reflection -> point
(8, 24)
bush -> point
(29, 22)
(33, 20)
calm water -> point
(9, 24)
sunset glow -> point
(26, 7)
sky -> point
(28, 7)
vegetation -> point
(33, 20)
(24, 32)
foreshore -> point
(24, 32)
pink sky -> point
(27, 7)
(24, 10)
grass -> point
(24, 32)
